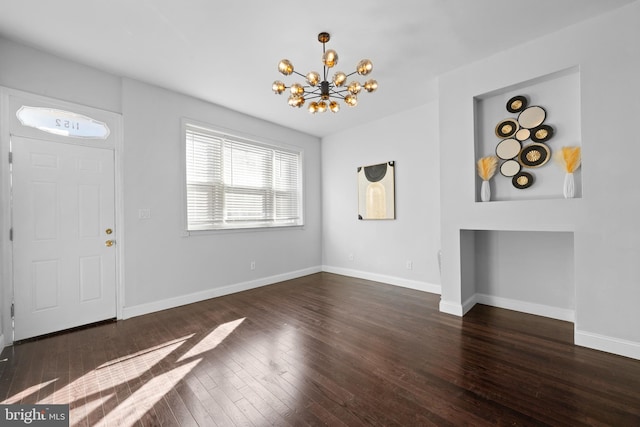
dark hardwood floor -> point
(325, 350)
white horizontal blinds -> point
(287, 186)
(235, 183)
(248, 182)
(205, 195)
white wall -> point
(45, 74)
(531, 271)
(162, 267)
(381, 248)
(604, 221)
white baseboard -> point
(390, 280)
(457, 309)
(527, 307)
(451, 308)
(609, 344)
(139, 310)
(1, 342)
(468, 304)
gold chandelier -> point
(324, 94)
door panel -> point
(63, 203)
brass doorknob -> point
(109, 243)
(108, 231)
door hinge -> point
(11, 234)
(13, 310)
(10, 157)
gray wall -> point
(163, 267)
(604, 221)
(380, 249)
(41, 73)
(534, 268)
(161, 263)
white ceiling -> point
(226, 51)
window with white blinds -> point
(238, 183)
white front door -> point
(63, 219)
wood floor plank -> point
(330, 350)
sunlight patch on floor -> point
(121, 370)
(146, 351)
(79, 412)
(145, 398)
(212, 340)
(124, 389)
(16, 398)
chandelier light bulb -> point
(296, 101)
(297, 89)
(318, 91)
(351, 100)
(285, 67)
(339, 78)
(278, 87)
(364, 67)
(313, 78)
(330, 58)
(354, 88)
(370, 85)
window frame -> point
(234, 135)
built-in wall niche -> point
(527, 271)
(559, 96)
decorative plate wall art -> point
(517, 104)
(376, 191)
(507, 128)
(508, 149)
(510, 168)
(523, 141)
(523, 134)
(534, 155)
(522, 180)
(532, 117)
(541, 133)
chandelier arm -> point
(301, 75)
(341, 91)
(351, 74)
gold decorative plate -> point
(542, 133)
(517, 104)
(522, 180)
(507, 128)
(534, 155)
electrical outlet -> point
(409, 265)
(253, 265)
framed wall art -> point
(376, 191)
